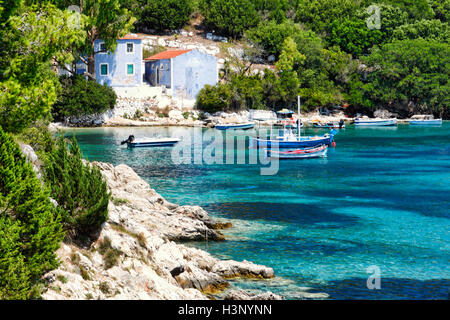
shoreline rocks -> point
(135, 256)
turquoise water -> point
(381, 198)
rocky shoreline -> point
(136, 256)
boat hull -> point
(433, 122)
(151, 144)
(370, 123)
(316, 152)
(235, 127)
(303, 143)
(330, 126)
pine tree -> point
(30, 228)
(79, 189)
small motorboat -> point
(366, 122)
(150, 142)
(314, 152)
(424, 121)
(237, 126)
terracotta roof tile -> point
(131, 36)
(168, 54)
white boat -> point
(375, 122)
(424, 120)
(150, 142)
(242, 126)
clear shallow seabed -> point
(381, 198)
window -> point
(130, 69)
(161, 66)
(130, 47)
(104, 69)
(102, 47)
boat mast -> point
(298, 120)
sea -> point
(369, 221)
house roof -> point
(131, 36)
(168, 54)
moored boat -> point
(241, 126)
(423, 120)
(375, 122)
(314, 152)
(290, 140)
(150, 142)
(330, 125)
(293, 142)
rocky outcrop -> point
(246, 295)
(135, 256)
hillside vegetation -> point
(369, 54)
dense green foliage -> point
(79, 189)
(410, 75)
(29, 41)
(229, 17)
(425, 29)
(79, 96)
(30, 230)
(163, 15)
(336, 39)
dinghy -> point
(314, 152)
(241, 126)
(150, 142)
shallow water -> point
(381, 198)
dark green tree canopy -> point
(229, 17)
(79, 96)
(163, 15)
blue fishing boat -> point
(150, 142)
(290, 140)
(304, 153)
(240, 126)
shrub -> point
(213, 98)
(165, 14)
(79, 189)
(229, 17)
(79, 96)
(30, 230)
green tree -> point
(79, 189)
(229, 17)
(441, 9)
(410, 75)
(79, 96)
(270, 35)
(30, 41)
(289, 83)
(165, 14)
(214, 98)
(30, 230)
(105, 20)
(318, 14)
(353, 36)
(415, 9)
(425, 29)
